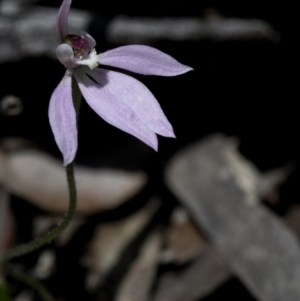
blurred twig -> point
(221, 190)
(28, 30)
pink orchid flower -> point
(119, 99)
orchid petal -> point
(65, 55)
(62, 21)
(91, 41)
(135, 95)
(62, 119)
(105, 102)
(144, 60)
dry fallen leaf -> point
(41, 180)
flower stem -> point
(3, 291)
(52, 234)
(36, 285)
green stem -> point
(3, 291)
(52, 234)
(37, 286)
